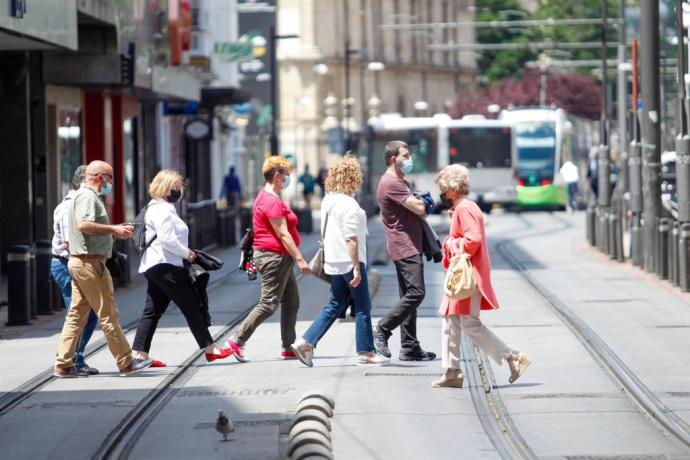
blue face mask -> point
(406, 166)
(106, 189)
(286, 181)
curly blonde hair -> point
(164, 181)
(454, 177)
(274, 164)
(345, 176)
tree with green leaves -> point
(497, 65)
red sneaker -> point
(288, 354)
(157, 363)
(224, 353)
(238, 350)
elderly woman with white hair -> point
(467, 235)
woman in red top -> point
(276, 249)
(467, 235)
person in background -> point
(400, 215)
(90, 244)
(308, 185)
(344, 226)
(321, 180)
(163, 265)
(593, 172)
(467, 235)
(60, 273)
(231, 189)
(571, 177)
(276, 250)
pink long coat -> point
(467, 233)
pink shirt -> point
(266, 207)
(467, 234)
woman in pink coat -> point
(467, 235)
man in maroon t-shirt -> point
(400, 214)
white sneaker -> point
(303, 354)
(372, 360)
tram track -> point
(623, 377)
(15, 397)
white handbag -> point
(460, 282)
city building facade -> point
(345, 67)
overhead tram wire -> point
(499, 24)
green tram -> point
(545, 139)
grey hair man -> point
(90, 244)
(60, 273)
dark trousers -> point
(168, 282)
(404, 314)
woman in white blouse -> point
(344, 226)
(162, 263)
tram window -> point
(480, 147)
(536, 146)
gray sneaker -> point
(381, 343)
(87, 369)
(136, 366)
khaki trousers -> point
(278, 288)
(92, 287)
(471, 325)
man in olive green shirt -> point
(90, 242)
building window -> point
(446, 33)
(397, 19)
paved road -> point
(567, 405)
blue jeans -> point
(58, 268)
(340, 286)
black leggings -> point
(168, 282)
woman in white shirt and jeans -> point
(162, 263)
(345, 258)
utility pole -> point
(604, 181)
(651, 134)
(346, 104)
(635, 170)
(273, 62)
(603, 160)
(622, 96)
(683, 160)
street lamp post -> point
(651, 134)
(272, 42)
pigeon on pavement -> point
(223, 425)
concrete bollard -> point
(590, 224)
(318, 394)
(663, 248)
(636, 241)
(44, 297)
(308, 425)
(311, 451)
(317, 404)
(684, 257)
(221, 226)
(32, 282)
(312, 414)
(612, 234)
(18, 286)
(673, 247)
(309, 437)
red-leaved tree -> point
(574, 93)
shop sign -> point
(234, 51)
(197, 129)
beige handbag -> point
(460, 282)
(316, 263)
